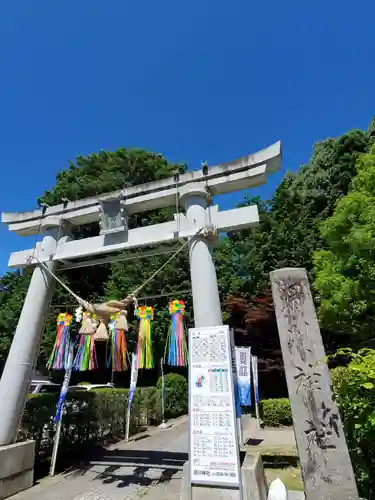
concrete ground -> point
(275, 441)
(148, 468)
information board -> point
(213, 442)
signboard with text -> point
(214, 451)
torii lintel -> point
(243, 173)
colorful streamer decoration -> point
(59, 356)
(117, 326)
(86, 355)
(144, 348)
(177, 355)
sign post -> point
(133, 384)
(254, 365)
(59, 408)
(214, 456)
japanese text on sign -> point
(243, 364)
(214, 453)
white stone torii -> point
(57, 249)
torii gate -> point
(58, 250)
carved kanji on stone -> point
(326, 467)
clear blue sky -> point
(194, 80)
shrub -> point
(354, 388)
(89, 417)
(176, 394)
(276, 412)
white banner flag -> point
(133, 378)
(254, 362)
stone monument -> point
(325, 463)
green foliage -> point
(176, 395)
(276, 412)
(90, 417)
(354, 387)
(13, 288)
(108, 171)
(288, 232)
(345, 271)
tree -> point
(345, 271)
(13, 289)
(288, 231)
(107, 171)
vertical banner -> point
(235, 376)
(65, 385)
(243, 365)
(133, 384)
(254, 360)
(162, 388)
(236, 388)
(164, 424)
(254, 366)
(59, 408)
(133, 379)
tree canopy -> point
(107, 171)
(345, 271)
(289, 232)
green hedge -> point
(90, 417)
(177, 401)
(276, 412)
(354, 392)
(354, 388)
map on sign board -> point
(214, 453)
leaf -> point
(368, 385)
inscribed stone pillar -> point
(326, 467)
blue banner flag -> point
(65, 385)
(243, 365)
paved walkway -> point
(149, 468)
(143, 469)
(277, 441)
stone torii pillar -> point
(19, 365)
(112, 211)
(206, 300)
